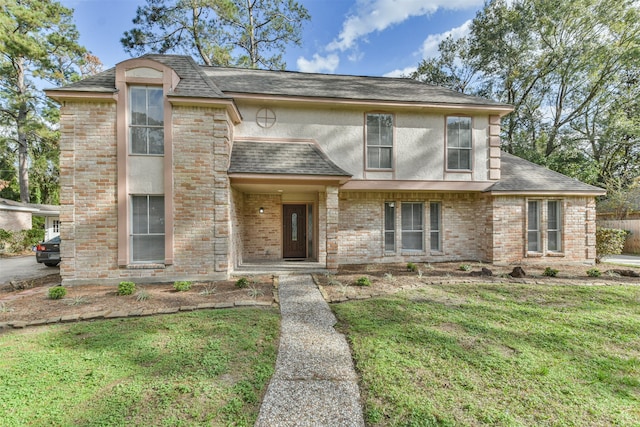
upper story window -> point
(379, 141)
(146, 120)
(459, 143)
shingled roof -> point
(281, 158)
(220, 82)
(335, 86)
(521, 176)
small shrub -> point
(609, 241)
(412, 267)
(593, 272)
(76, 301)
(363, 281)
(419, 274)
(428, 266)
(242, 283)
(142, 295)
(57, 292)
(550, 272)
(182, 285)
(208, 290)
(254, 292)
(126, 288)
(465, 267)
(388, 277)
(4, 308)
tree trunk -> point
(21, 128)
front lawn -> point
(498, 354)
(196, 368)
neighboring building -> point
(16, 216)
(171, 170)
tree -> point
(38, 43)
(248, 33)
(567, 67)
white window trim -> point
(392, 146)
(446, 146)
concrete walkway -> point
(315, 383)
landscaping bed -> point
(26, 302)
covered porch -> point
(285, 207)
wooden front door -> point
(294, 227)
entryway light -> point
(261, 210)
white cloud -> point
(400, 72)
(430, 45)
(318, 64)
(377, 15)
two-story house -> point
(172, 170)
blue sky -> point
(360, 37)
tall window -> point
(459, 143)
(146, 121)
(389, 227)
(533, 226)
(435, 223)
(412, 226)
(554, 229)
(147, 229)
(379, 141)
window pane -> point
(533, 216)
(554, 241)
(464, 159)
(156, 214)
(389, 217)
(552, 215)
(139, 223)
(373, 129)
(138, 106)
(435, 240)
(533, 244)
(453, 159)
(156, 107)
(385, 158)
(386, 129)
(411, 240)
(156, 141)
(138, 140)
(373, 158)
(389, 241)
(148, 248)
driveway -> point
(631, 260)
(23, 268)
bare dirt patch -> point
(28, 300)
(390, 278)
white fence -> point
(632, 245)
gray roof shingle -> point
(290, 83)
(281, 158)
(219, 82)
(519, 175)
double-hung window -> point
(534, 243)
(435, 223)
(554, 226)
(459, 143)
(379, 141)
(147, 228)
(412, 227)
(146, 120)
(389, 227)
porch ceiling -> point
(256, 187)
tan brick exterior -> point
(202, 197)
(262, 234)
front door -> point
(294, 226)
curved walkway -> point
(314, 383)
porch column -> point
(332, 228)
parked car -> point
(49, 252)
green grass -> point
(197, 368)
(498, 354)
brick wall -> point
(202, 199)
(262, 232)
(475, 227)
(361, 237)
(510, 231)
(88, 195)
